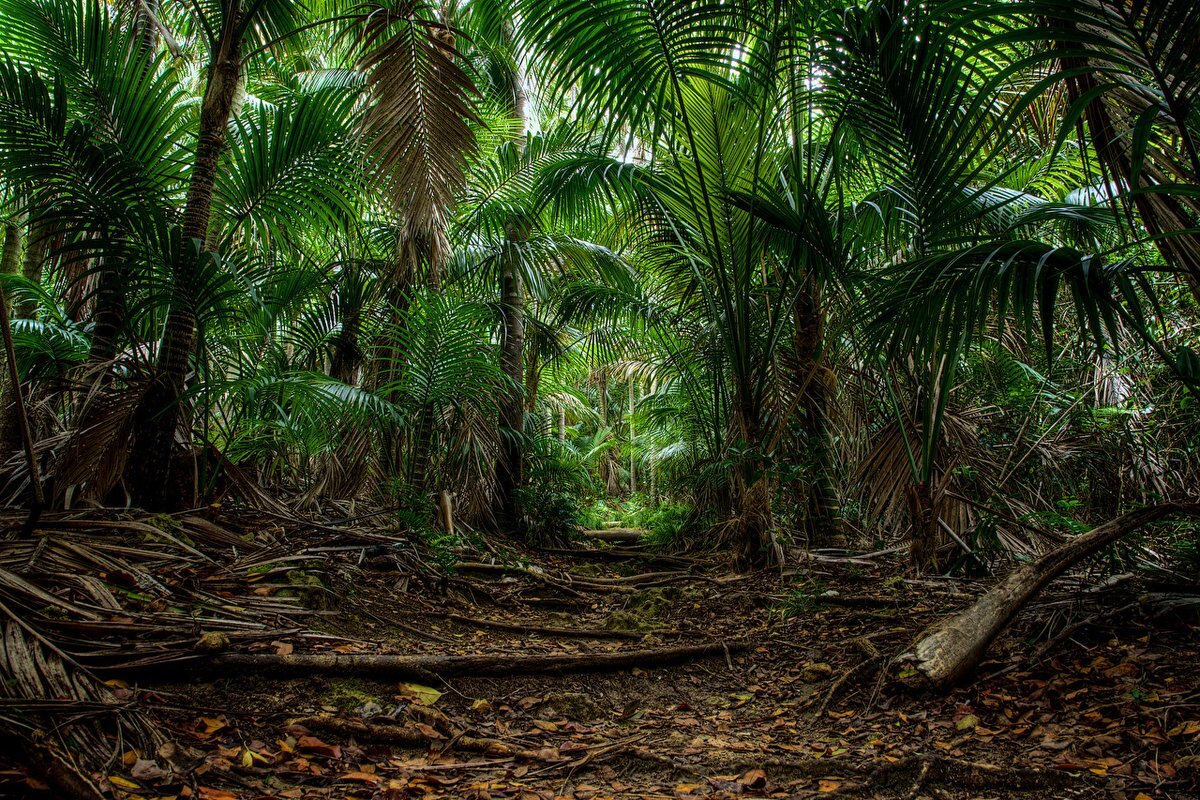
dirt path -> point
(805, 710)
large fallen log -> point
(425, 667)
(950, 650)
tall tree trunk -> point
(608, 467)
(108, 313)
(10, 264)
(37, 249)
(510, 467)
(632, 455)
(533, 372)
(823, 510)
(347, 356)
(159, 415)
(925, 536)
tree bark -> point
(159, 414)
(924, 536)
(37, 248)
(510, 465)
(751, 522)
(632, 455)
(533, 372)
(823, 509)
(951, 649)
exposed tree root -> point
(427, 667)
(627, 535)
(861, 601)
(624, 554)
(475, 566)
(836, 687)
(563, 633)
(915, 771)
(411, 736)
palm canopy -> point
(739, 249)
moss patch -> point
(348, 694)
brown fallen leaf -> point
(312, 744)
(360, 777)
(754, 779)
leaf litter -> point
(110, 661)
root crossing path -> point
(580, 674)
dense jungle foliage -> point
(746, 273)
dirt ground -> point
(806, 707)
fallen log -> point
(388, 665)
(950, 650)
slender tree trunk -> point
(608, 470)
(511, 463)
(533, 373)
(159, 415)
(823, 509)
(510, 468)
(632, 455)
(10, 264)
(37, 249)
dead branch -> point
(411, 736)
(433, 667)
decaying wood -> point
(427, 667)
(951, 649)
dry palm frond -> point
(342, 473)
(419, 124)
(97, 593)
(92, 459)
(886, 474)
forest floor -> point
(800, 703)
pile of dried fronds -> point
(95, 592)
